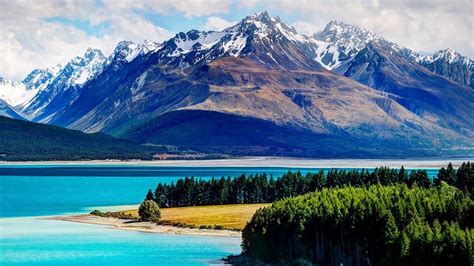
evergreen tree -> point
(450, 174)
(149, 195)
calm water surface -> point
(27, 192)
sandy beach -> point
(266, 162)
(131, 225)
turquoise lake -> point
(29, 192)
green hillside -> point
(21, 140)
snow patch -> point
(139, 82)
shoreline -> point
(284, 162)
(131, 225)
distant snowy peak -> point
(127, 51)
(20, 94)
(56, 81)
(351, 38)
(81, 69)
(343, 41)
(450, 56)
(192, 40)
(450, 64)
(259, 32)
(340, 42)
(14, 93)
(39, 79)
(262, 25)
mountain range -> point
(261, 88)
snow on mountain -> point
(343, 41)
(264, 39)
(71, 76)
(448, 55)
(350, 38)
(18, 94)
(340, 43)
(87, 67)
(127, 51)
(8, 111)
(15, 93)
(452, 65)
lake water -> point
(28, 192)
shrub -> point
(149, 211)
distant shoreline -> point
(263, 162)
(130, 225)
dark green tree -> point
(149, 195)
(149, 211)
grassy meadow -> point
(231, 216)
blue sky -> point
(37, 34)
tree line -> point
(260, 188)
(372, 225)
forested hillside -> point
(375, 225)
(21, 140)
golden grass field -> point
(233, 216)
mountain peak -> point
(447, 63)
(449, 55)
(128, 50)
(91, 53)
(343, 34)
(261, 16)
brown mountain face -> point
(320, 101)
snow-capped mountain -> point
(62, 85)
(39, 79)
(262, 75)
(127, 51)
(258, 35)
(451, 64)
(343, 41)
(19, 94)
(15, 93)
(263, 70)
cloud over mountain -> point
(41, 34)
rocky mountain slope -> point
(430, 96)
(8, 111)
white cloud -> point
(305, 27)
(193, 8)
(217, 23)
(422, 25)
(28, 40)
(189, 8)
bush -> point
(149, 211)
